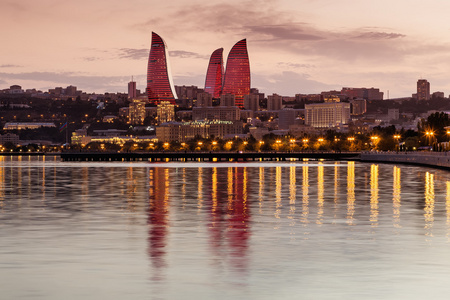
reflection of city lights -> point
(350, 192)
(396, 196)
(374, 195)
(261, 188)
(278, 192)
(320, 194)
(429, 202)
(305, 196)
(447, 206)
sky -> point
(295, 46)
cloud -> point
(91, 58)
(265, 25)
(10, 66)
(294, 65)
(379, 35)
(290, 83)
(214, 18)
(186, 54)
(130, 53)
(292, 31)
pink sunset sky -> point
(302, 46)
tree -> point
(435, 124)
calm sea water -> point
(291, 230)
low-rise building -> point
(184, 131)
(327, 115)
(26, 125)
(224, 113)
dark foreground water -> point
(301, 230)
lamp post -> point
(375, 140)
(430, 137)
(397, 138)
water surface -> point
(272, 230)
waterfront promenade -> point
(432, 159)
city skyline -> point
(301, 47)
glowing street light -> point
(397, 137)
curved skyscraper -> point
(213, 82)
(159, 80)
(237, 74)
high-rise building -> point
(227, 100)
(187, 92)
(423, 89)
(159, 80)
(362, 93)
(286, 117)
(165, 112)
(132, 89)
(237, 73)
(136, 112)
(251, 102)
(204, 100)
(327, 115)
(274, 102)
(358, 106)
(71, 90)
(213, 82)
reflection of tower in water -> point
(158, 216)
(238, 218)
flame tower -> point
(213, 82)
(237, 74)
(159, 80)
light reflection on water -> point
(309, 230)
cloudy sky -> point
(295, 46)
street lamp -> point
(397, 137)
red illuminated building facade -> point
(237, 74)
(159, 80)
(213, 83)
